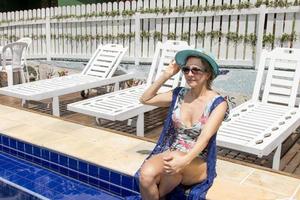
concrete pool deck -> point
(125, 154)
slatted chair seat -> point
(98, 72)
(124, 104)
(259, 126)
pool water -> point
(44, 182)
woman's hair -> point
(208, 69)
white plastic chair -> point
(98, 72)
(260, 125)
(124, 104)
(12, 60)
(28, 41)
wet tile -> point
(273, 182)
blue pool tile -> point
(5, 141)
(93, 181)
(37, 151)
(135, 185)
(96, 194)
(83, 178)
(73, 164)
(42, 190)
(83, 167)
(104, 174)
(63, 171)
(1, 139)
(93, 170)
(5, 149)
(104, 185)
(63, 160)
(20, 146)
(13, 152)
(115, 178)
(126, 193)
(45, 164)
(5, 173)
(127, 181)
(37, 160)
(13, 143)
(28, 157)
(54, 157)
(1, 148)
(73, 174)
(54, 167)
(28, 148)
(114, 189)
(20, 154)
(45, 154)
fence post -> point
(260, 34)
(137, 47)
(48, 35)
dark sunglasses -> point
(194, 70)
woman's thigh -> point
(154, 165)
(195, 172)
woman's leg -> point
(195, 172)
(150, 177)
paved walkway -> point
(112, 150)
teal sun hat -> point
(181, 57)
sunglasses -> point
(194, 70)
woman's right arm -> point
(150, 96)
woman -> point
(193, 121)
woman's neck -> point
(198, 92)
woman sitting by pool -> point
(186, 151)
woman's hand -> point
(174, 163)
(172, 69)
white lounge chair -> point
(259, 126)
(12, 60)
(124, 104)
(28, 41)
(98, 72)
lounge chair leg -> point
(276, 158)
(140, 125)
(23, 103)
(117, 86)
(55, 106)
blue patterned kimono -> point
(197, 191)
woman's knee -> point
(148, 175)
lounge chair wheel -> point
(85, 94)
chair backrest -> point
(282, 77)
(105, 61)
(163, 55)
(13, 52)
(28, 41)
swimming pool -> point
(57, 176)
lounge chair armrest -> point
(120, 78)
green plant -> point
(172, 36)
(157, 35)
(185, 36)
(200, 34)
(268, 39)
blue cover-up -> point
(197, 191)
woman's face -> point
(195, 72)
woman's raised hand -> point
(172, 69)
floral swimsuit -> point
(186, 137)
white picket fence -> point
(74, 32)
